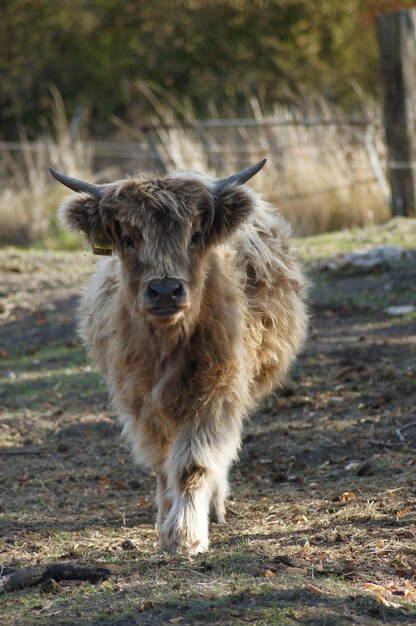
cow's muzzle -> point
(165, 296)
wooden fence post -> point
(396, 33)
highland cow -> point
(193, 318)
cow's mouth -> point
(165, 311)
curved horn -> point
(241, 177)
(78, 185)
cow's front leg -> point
(192, 471)
(185, 528)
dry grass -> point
(28, 200)
(320, 176)
(321, 519)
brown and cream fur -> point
(183, 385)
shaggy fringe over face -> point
(183, 384)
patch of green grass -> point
(408, 317)
(40, 264)
(61, 239)
(43, 358)
(399, 231)
(50, 373)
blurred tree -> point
(203, 50)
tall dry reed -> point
(28, 197)
(320, 174)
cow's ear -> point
(233, 205)
(80, 213)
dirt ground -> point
(321, 521)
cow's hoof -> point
(189, 548)
(217, 517)
(196, 548)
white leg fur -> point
(196, 471)
(185, 528)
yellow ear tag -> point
(103, 249)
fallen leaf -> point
(269, 574)
(404, 512)
(145, 606)
(298, 519)
(176, 620)
(289, 569)
(345, 497)
(410, 589)
(316, 590)
(348, 495)
(51, 586)
(373, 587)
(389, 603)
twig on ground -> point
(12, 579)
(23, 450)
(399, 435)
(376, 442)
(398, 431)
(409, 425)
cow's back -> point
(275, 293)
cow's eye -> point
(127, 242)
(196, 238)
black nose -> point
(165, 292)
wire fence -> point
(325, 165)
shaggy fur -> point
(183, 384)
